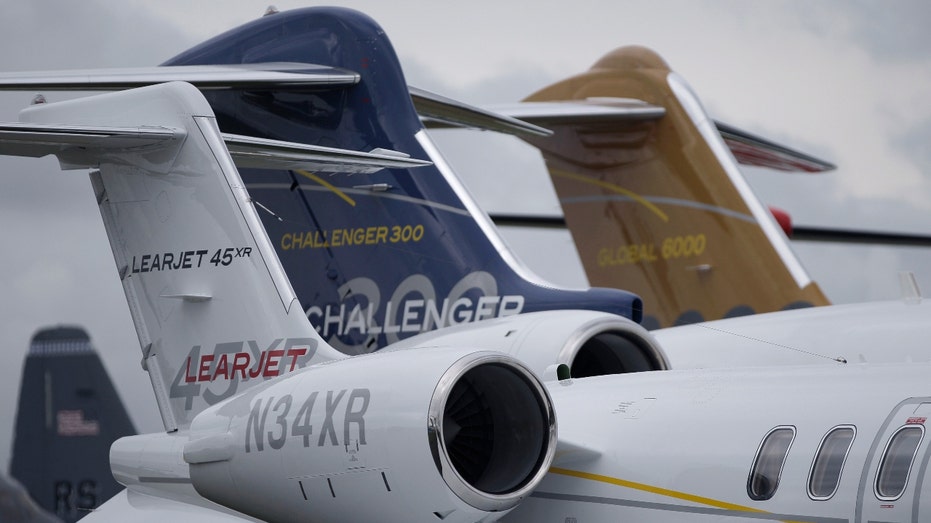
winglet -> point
(750, 149)
(439, 110)
(262, 153)
(261, 76)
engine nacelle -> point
(590, 343)
(399, 435)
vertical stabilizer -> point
(658, 205)
(212, 307)
(68, 416)
(377, 258)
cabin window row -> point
(830, 458)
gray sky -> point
(845, 80)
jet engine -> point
(589, 343)
(398, 435)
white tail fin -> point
(212, 306)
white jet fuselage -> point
(680, 445)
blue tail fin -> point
(374, 258)
(69, 414)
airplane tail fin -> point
(213, 309)
(379, 258)
(68, 416)
(655, 201)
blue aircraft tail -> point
(68, 416)
(373, 258)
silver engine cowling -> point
(588, 343)
(400, 435)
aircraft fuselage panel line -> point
(153, 479)
(879, 440)
(919, 484)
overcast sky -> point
(844, 80)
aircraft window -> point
(767, 466)
(829, 462)
(896, 463)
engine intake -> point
(612, 346)
(492, 431)
(590, 343)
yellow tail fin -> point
(657, 205)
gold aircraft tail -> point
(654, 198)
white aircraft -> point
(809, 443)
(471, 435)
(199, 271)
(304, 432)
(216, 317)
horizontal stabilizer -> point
(809, 233)
(750, 149)
(37, 140)
(580, 112)
(264, 76)
(261, 153)
(813, 233)
(439, 111)
(529, 220)
(71, 141)
(747, 148)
